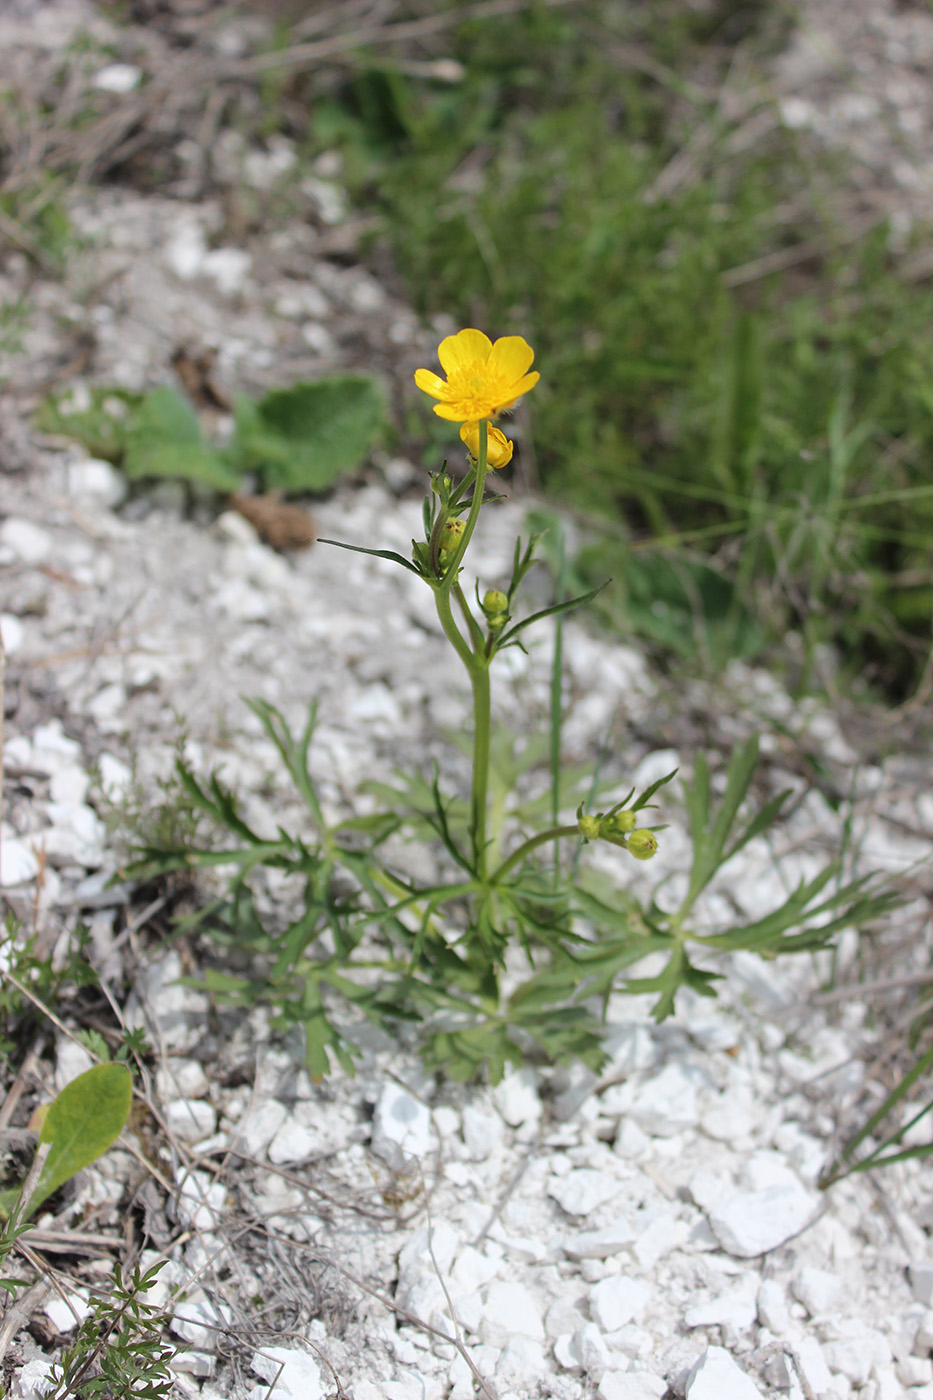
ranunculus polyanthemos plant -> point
(517, 947)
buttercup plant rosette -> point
(517, 946)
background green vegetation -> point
(737, 374)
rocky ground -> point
(653, 1232)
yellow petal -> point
(464, 349)
(521, 387)
(431, 383)
(448, 411)
(511, 356)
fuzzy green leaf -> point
(80, 1124)
(306, 436)
(164, 440)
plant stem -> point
(482, 705)
(475, 661)
(553, 833)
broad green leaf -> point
(84, 1120)
(101, 425)
(303, 438)
(164, 440)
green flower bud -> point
(619, 824)
(494, 603)
(588, 827)
(420, 554)
(451, 534)
(642, 844)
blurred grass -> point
(737, 378)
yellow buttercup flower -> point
(482, 378)
(498, 446)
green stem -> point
(553, 833)
(450, 576)
(476, 635)
(479, 799)
(451, 630)
(475, 661)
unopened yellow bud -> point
(588, 828)
(495, 602)
(642, 844)
(498, 446)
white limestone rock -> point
(584, 1190)
(516, 1098)
(472, 1270)
(19, 864)
(755, 1222)
(190, 1120)
(591, 1352)
(662, 1232)
(13, 633)
(120, 78)
(855, 1356)
(201, 1200)
(71, 1059)
(258, 1127)
(617, 1301)
(180, 1012)
(292, 1142)
(811, 1363)
(33, 1381)
(482, 1133)
(717, 1377)
(96, 483)
(818, 1290)
(24, 542)
(295, 1374)
(736, 1309)
(772, 1306)
(510, 1309)
(599, 1244)
(920, 1276)
(201, 1322)
(68, 1311)
(631, 1385)
(181, 1078)
(76, 834)
(401, 1125)
(523, 1360)
(668, 1103)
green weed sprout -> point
(447, 954)
(119, 1350)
